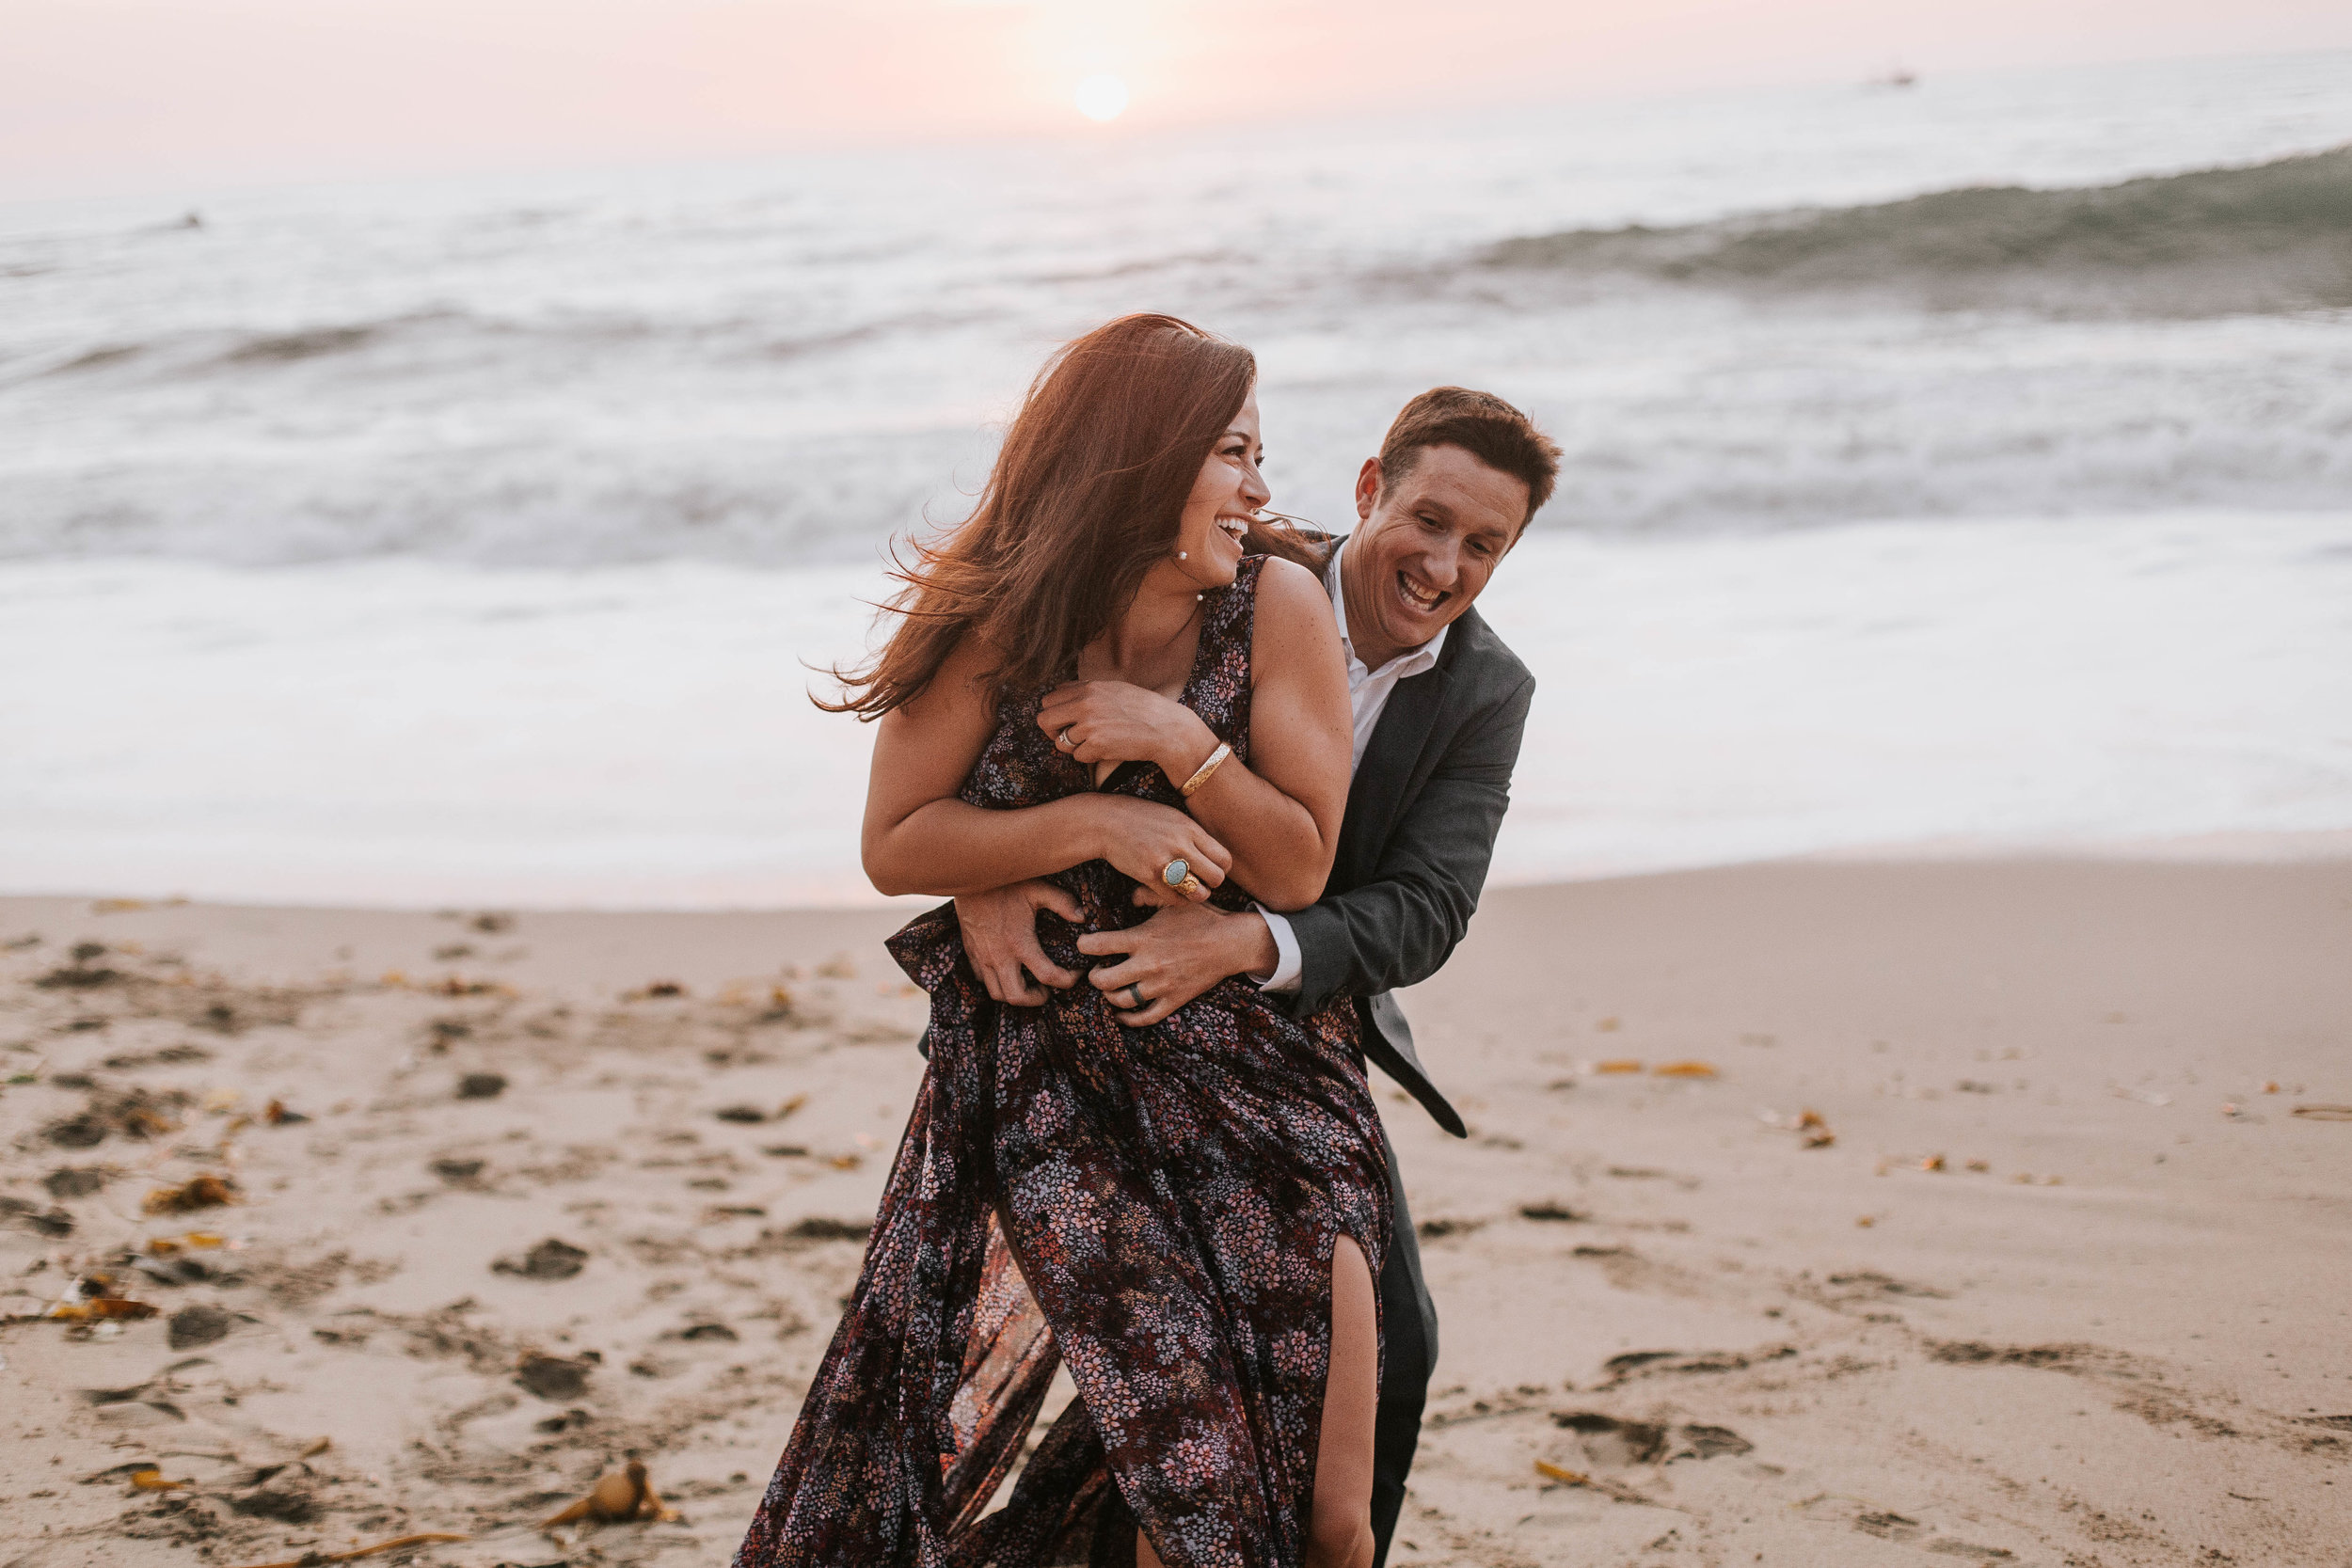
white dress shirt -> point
(1368, 692)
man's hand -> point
(1176, 955)
(1000, 939)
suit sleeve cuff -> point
(1287, 964)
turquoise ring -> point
(1174, 872)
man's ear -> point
(1525, 523)
(1367, 489)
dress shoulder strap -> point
(1233, 611)
(1220, 690)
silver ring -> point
(1063, 740)
(1135, 998)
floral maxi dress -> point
(1171, 1194)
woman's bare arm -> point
(1281, 814)
(919, 838)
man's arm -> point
(1000, 940)
(1395, 930)
(1399, 928)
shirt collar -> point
(1412, 661)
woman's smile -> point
(1225, 501)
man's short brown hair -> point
(1481, 424)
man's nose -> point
(1442, 565)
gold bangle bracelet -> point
(1200, 774)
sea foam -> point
(406, 733)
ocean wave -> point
(2269, 237)
(496, 502)
(761, 366)
(281, 347)
(452, 338)
(209, 352)
(1795, 429)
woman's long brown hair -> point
(1087, 493)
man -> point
(1439, 706)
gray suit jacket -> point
(1422, 813)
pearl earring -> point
(1183, 555)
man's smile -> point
(1420, 600)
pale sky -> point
(154, 96)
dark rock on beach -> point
(282, 1503)
(1609, 1440)
(1709, 1442)
(72, 1182)
(551, 1260)
(198, 1325)
(83, 974)
(554, 1377)
(81, 1131)
(56, 1222)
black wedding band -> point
(1134, 999)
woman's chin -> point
(1215, 565)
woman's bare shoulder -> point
(1295, 639)
(1293, 598)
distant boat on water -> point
(1897, 77)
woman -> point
(1092, 685)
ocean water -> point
(469, 540)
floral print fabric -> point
(1171, 1196)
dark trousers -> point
(1408, 1324)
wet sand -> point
(2053, 1276)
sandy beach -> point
(1813, 1213)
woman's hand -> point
(1140, 837)
(1113, 722)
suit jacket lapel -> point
(1377, 793)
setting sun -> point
(1102, 96)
